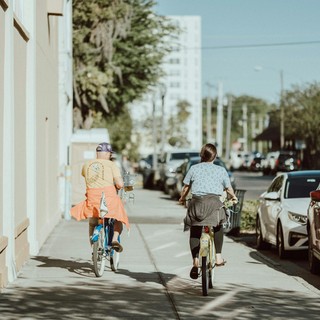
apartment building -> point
(182, 81)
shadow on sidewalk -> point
(81, 268)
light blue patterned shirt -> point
(207, 178)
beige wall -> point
(47, 110)
(34, 55)
(2, 34)
(20, 61)
(20, 167)
(3, 240)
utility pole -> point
(253, 131)
(245, 127)
(163, 131)
(228, 134)
(219, 137)
(154, 134)
(209, 121)
(260, 148)
(281, 112)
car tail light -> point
(315, 195)
(298, 162)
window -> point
(301, 187)
(276, 185)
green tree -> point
(302, 121)
(177, 131)
(118, 47)
(175, 127)
(254, 105)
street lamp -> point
(163, 91)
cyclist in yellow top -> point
(102, 175)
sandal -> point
(194, 274)
(116, 246)
(221, 264)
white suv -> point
(170, 161)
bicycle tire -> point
(99, 258)
(114, 261)
(210, 280)
(204, 276)
(212, 266)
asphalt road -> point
(254, 183)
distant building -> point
(181, 83)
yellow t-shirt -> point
(100, 173)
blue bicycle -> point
(102, 249)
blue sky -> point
(255, 22)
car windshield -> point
(301, 187)
(183, 155)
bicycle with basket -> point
(207, 250)
(103, 233)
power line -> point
(243, 46)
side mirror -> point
(273, 196)
(315, 195)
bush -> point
(248, 215)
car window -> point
(300, 187)
(276, 184)
(183, 155)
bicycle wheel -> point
(212, 266)
(99, 258)
(204, 276)
(114, 260)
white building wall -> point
(183, 75)
(182, 82)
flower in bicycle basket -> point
(228, 203)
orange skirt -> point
(90, 208)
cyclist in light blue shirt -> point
(207, 182)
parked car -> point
(240, 160)
(281, 218)
(313, 228)
(281, 161)
(269, 163)
(256, 162)
(169, 163)
(247, 159)
(149, 180)
(181, 171)
(287, 161)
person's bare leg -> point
(196, 262)
(116, 232)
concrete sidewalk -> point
(153, 278)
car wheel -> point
(148, 181)
(261, 244)
(280, 243)
(314, 263)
